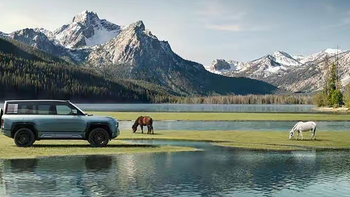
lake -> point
(196, 108)
(216, 171)
(237, 125)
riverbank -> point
(331, 109)
(255, 140)
(45, 148)
(208, 116)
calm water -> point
(236, 125)
(215, 171)
(195, 108)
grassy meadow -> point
(45, 148)
(261, 140)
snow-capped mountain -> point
(138, 54)
(86, 29)
(4, 35)
(276, 62)
(36, 38)
(293, 73)
(133, 52)
(318, 56)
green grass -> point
(261, 140)
(227, 116)
(79, 147)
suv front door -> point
(70, 123)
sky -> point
(204, 30)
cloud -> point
(216, 15)
(236, 28)
(215, 10)
(233, 28)
(342, 22)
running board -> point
(55, 135)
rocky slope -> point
(137, 54)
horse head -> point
(291, 134)
(134, 128)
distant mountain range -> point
(132, 53)
(293, 73)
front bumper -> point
(116, 132)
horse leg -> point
(148, 129)
(298, 135)
(314, 133)
(141, 128)
(301, 135)
(152, 129)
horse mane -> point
(136, 121)
(295, 126)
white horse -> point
(303, 126)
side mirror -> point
(74, 111)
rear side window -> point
(12, 109)
(26, 108)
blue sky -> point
(203, 30)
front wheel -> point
(24, 137)
(98, 137)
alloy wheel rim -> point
(99, 137)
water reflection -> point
(217, 171)
(237, 125)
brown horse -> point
(143, 121)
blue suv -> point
(29, 120)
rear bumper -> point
(6, 132)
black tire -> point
(24, 137)
(98, 137)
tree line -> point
(31, 79)
(236, 99)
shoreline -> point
(343, 110)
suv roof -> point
(15, 101)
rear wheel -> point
(24, 137)
(98, 137)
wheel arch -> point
(18, 125)
(93, 125)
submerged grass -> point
(77, 147)
(266, 140)
(206, 116)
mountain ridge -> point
(133, 52)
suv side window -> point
(46, 109)
(63, 110)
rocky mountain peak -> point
(138, 25)
(85, 17)
(86, 29)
